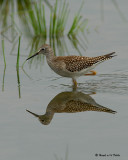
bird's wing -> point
(78, 63)
(73, 106)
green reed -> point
(3, 79)
(18, 54)
(18, 81)
(59, 13)
(58, 19)
(17, 67)
(78, 24)
(3, 52)
(36, 19)
(39, 28)
(4, 65)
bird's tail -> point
(99, 59)
(109, 55)
(106, 56)
(105, 109)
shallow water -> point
(79, 135)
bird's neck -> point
(50, 56)
(49, 115)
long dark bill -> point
(32, 56)
(36, 115)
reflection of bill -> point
(70, 102)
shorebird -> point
(71, 66)
(70, 102)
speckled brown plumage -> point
(78, 106)
(73, 106)
(70, 102)
(78, 63)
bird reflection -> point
(70, 102)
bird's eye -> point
(43, 49)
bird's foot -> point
(91, 74)
(74, 83)
(92, 93)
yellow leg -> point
(74, 82)
(92, 93)
(91, 74)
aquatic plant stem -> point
(18, 54)
(3, 52)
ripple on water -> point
(114, 83)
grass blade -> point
(38, 17)
(3, 79)
(78, 24)
(44, 22)
(18, 81)
(3, 52)
(18, 54)
(17, 67)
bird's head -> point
(44, 49)
(44, 119)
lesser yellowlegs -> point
(70, 102)
(71, 66)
